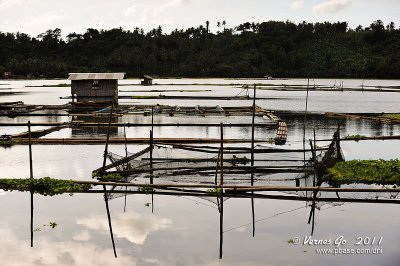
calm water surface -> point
(185, 230)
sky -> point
(36, 16)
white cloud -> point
(296, 5)
(47, 18)
(49, 252)
(134, 227)
(151, 14)
(82, 236)
(4, 4)
(331, 6)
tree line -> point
(273, 48)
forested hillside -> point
(278, 49)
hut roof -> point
(147, 77)
(92, 76)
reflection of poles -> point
(104, 187)
(312, 213)
(252, 158)
(31, 176)
(221, 225)
(109, 221)
(253, 216)
(313, 205)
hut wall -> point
(87, 90)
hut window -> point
(95, 84)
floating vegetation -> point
(146, 189)
(391, 116)
(142, 97)
(215, 191)
(7, 142)
(44, 186)
(356, 137)
(112, 177)
(364, 171)
(51, 224)
(238, 160)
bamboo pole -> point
(90, 124)
(222, 157)
(239, 188)
(31, 177)
(252, 133)
(151, 157)
(248, 195)
(126, 166)
(252, 158)
(108, 137)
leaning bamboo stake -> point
(104, 187)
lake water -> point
(168, 230)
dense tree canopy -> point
(276, 48)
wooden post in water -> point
(108, 137)
(221, 226)
(221, 181)
(305, 121)
(104, 187)
(31, 176)
(315, 160)
(252, 157)
(152, 118)
(126, 167)
(151, 156)
(253, 133)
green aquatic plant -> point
(112, 177)
(391, 116)
(95, 174)
(51, 224)
(146, 189)
(215, 191)
(364, 171)
(44, 186)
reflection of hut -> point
(147, 80)
(95, 87)
(80, 128)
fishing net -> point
(179, 164)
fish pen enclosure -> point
(212, 165)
